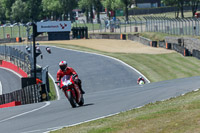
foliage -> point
(2, 13)
(51, 7)
(180, 5)
(19, 11)
(7, 4)
(34, 10)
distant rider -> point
(64, 70)
(139, 79)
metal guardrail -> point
(27, 95)
(17, 57)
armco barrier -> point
(105, 36)
(17, 57)
(168, 45)
(196, 53)
(27, 95)
(153, 43)
(133, 37)
(9, 40)
(162, 44)
(137, 38)
(180, 49)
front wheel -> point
(71, 99)
(81, 101)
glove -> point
(74, 76)
(58, 86)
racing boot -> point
(82, 92)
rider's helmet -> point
(140, 77)
(63, 65)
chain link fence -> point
(185, 26)
(13, 31)
(135, 24)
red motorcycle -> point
(71, 90)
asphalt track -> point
(10, 81)
(110, 88)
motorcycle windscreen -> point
(66, 77)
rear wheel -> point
(71, 99)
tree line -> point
(36, 10)
(194, 4)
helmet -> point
(63, 65)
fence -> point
(27, 95)
(185, 26)
(17, 57)
(135, 24)
(13, 31)
(159, 10)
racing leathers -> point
(70, 71)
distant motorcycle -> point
(141, 82)
(71, 90)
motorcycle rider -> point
(65, 70)
(139, 79)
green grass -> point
(52, 94)
(162, 66)
(89, 25)
(156, 36)
(176, 115)
(14, 32)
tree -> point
(87, 5)
(2, 14)
(7, 4)
(126, 5)
(65, 8)
(180, 5)
(97, 5)
(19, 11)
(35, 9)
(110, 5)
(194, 6)
(51, 8)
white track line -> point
(55, 85)
(12, 71)
(107, 57)
(15, 116)
(0, 88)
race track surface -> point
(9, 80)
(110, 88)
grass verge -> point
(52, 94)
(156, 36)
(176, 115)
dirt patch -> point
(122, 46)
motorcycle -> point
(141, 82)
(71, 90)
